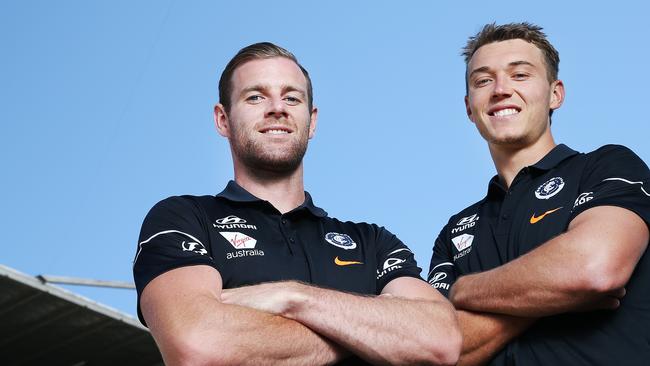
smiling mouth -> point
(275, 130)
(504, 112)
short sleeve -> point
(173, 235)
(394, 259)
(615, 176)
(442, 273)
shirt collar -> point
(554, 157)
(234, 192)
(548, 162)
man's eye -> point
(292, 100)
(254, 98)
(481, 82)
(520, 76)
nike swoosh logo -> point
(534, 219)
(345, 263)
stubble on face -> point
(263, 159)
(269, 119)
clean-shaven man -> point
(550, 268)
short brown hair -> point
(256, 51)
(525, 31)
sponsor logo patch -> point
(192, 246)
(391, 263)
(438, 276)
(435, 278)
(535, 219)
(232, 222)
(462, 241)
(340, 262)
(340, 240)
(245, 253)
(465, 223)
(583, 198)
(549, 188)
(467, 220)
(239, 240)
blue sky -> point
(107, 109)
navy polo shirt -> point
(539, 205)
(249, 242)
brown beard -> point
(263, 162)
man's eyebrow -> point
(519, 63)
(512, 64)
(480, 69)
(291, 88)
(262, 88)
(257, 87)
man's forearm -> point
(192, 326)
(585, 268)
(383, 329)
(485, 334)
(236, 335)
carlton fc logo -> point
(550, 188)
(340, 240)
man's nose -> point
(502, 87)
(276, 108)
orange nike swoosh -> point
(534, 219)
(345, 263)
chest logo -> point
(549, 188)
(535, 219)
(232, 222)
(239, 240)
(462, 242)
(340, 262)
(465, 223)
(340, 240)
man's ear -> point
(221, 121)
(557, 94)
(312, 123)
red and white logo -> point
(239, 240)
(462, 241)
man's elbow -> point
(602, 279)
(438, 349)
(446, 351)
(190, 351)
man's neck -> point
(510, 160)
(284, 192)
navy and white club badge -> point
(550, 188)
(340, 240)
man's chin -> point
(274, 165)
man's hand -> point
(410, 323)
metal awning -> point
(42, 324)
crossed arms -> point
(194, 321)
(586, 268)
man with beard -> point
(258, 274)
(550, 267)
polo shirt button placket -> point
(284, 228)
